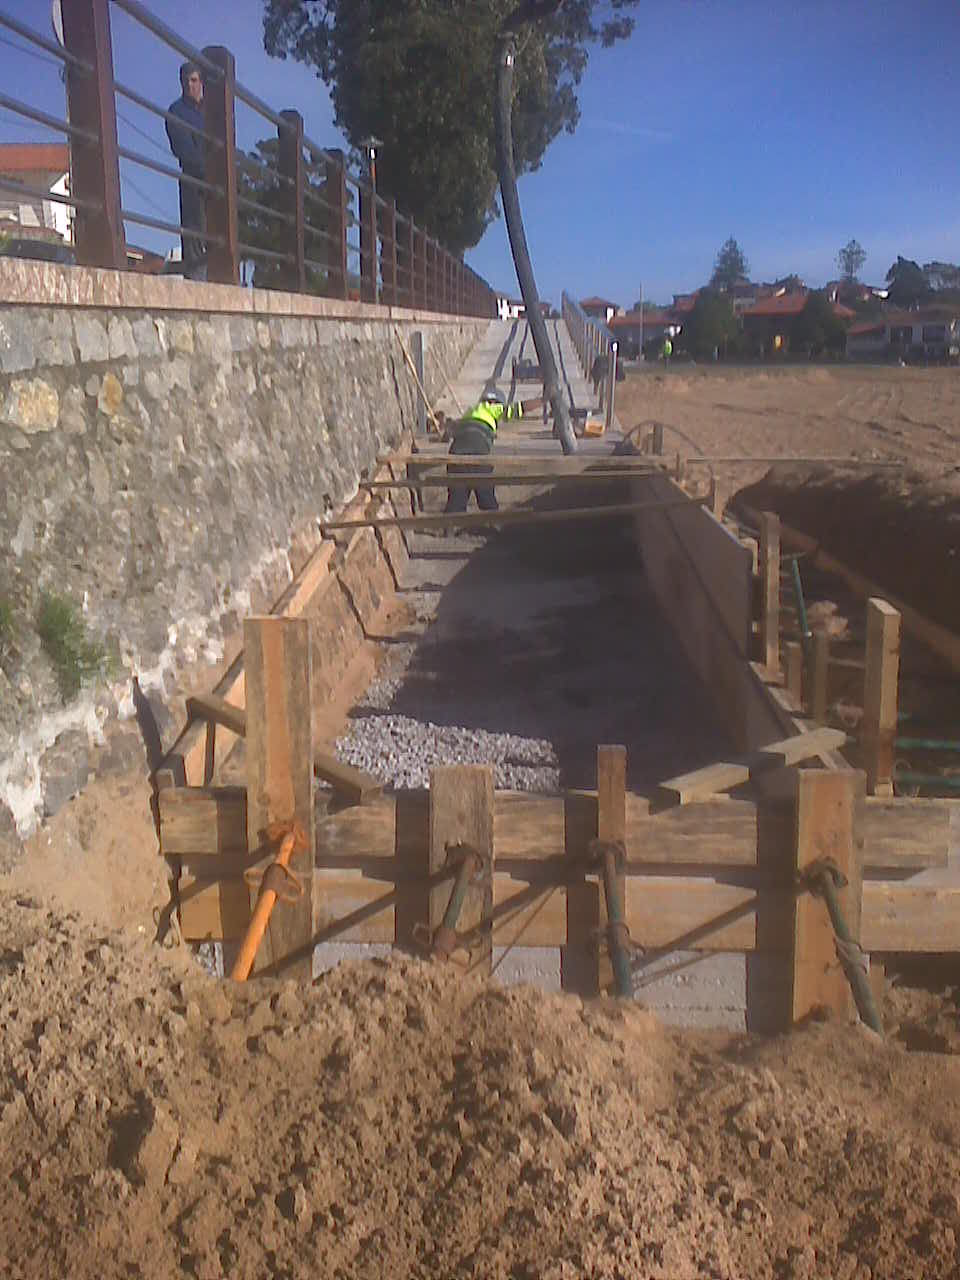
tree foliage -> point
(909, 285)
(850, 261)
(818, 327)
(419, 75)
(729, 266)
(710, 324)
(275, 235)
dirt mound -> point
(393, 1119)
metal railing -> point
(591, 337)
(294, 220)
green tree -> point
(818, 327)
(420, 76)
(710, 325)
(850, 261)
(909, 285)
(729, 266)
(275, 235)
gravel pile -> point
(401, 752)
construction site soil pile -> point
(397, 1119)
(900, 529)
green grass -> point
(76, 658)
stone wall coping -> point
(28, 283)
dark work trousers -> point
(193, 215)
(475, 439)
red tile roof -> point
(596, 302)
(34, 157)
(791, 304)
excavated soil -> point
(395, 1119)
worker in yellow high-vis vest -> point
(475, 434)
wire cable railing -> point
(306, 220)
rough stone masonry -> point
(164, 472)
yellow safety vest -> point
(489, 413)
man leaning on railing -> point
(189, 149)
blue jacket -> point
(185, 145)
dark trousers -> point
(471, 439)
(193, 215)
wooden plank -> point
(905, 917)
(770, 590)
(510, 516)
(579, 960)
(688, 787)
(280, 775)
(819, 675)
(555, 463)
(899, 832)
(353, 784)
(461, 811)
(794, 673)
(880, 695)
(506, 479)
(827, 827)
(411, 834)
(206, 820)
(213, 709)
(213, 910)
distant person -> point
(190, 150)
(474, 434)
(666, 351)
(598, 372)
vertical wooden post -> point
(580, 957)
(819, 672)
(279, 746)
(658, 438)
(388, 256)
(416, 354)
(770, 590)
(290, 165)
(794, 654)
(335, 194)
(412, 859)
(585, 963)
(223, 260)
(828, 813)
(461, 810)
(423, 285)
(880, 695)
(94, 166)
(368, 243)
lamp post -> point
(641, 320)
(368, 225)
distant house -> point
(850, 292)
(630, 330)
(38, 166)
(600, 308)
(769, 321)
(932, 331)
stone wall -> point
(163, 468)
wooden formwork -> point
(700, 871)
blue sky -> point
(791, 127)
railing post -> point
(95, 167)
(223, 260)
(290, 164)
(611, 385)
(368, 243)
(388, 255)
(336, 197)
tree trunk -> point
(503, 111)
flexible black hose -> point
(503, 112)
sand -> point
(395, 1119)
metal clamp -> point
(281, 880)
(811, 877)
